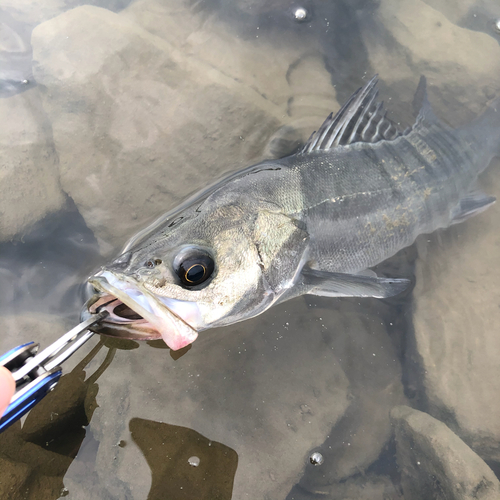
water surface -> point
(113, 113)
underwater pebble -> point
(316, 458)
(300, 14)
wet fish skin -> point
(314, 222)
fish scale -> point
(401, 189)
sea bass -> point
(311, 223)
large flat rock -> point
(356, 332)
(284, 65)
(456, 318)
(139, 123)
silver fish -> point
(312, 223)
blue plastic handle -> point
(29, 397)
(38, 373)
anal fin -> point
(474, 203)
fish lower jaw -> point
(175, 342)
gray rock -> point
(270, 391)
(408, 38)
(456, 318)
(360, 487)
(29, 176)
(357, 334)
(287, 69)
(479, 15)
(435, 463)
(15, 56)
(139, 124)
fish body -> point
(315, 222)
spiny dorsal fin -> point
(360, 119)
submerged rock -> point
(456, 318)
(15, 56)
(408, 38)
(287, 69)
(360, 487)
(14, 477)
(266, 59)
(29, 176)
(480, 15)
(268, 390)
(356, 333)
(34, 13)
(139, 123)
(435, 463)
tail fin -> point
(486, 128)
(482, 136)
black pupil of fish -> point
(195, 273)
(195, 269)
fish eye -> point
(194, 268)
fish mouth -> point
(122, 321)
(137, 314)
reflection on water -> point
(115, 111)
(36, 457)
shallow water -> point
(126, 109)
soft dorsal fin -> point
(421, 105)
(360, 119)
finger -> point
(7, 388)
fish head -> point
(203, 272)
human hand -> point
(7, 388)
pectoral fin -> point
(350, 285)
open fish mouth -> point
(122, 320)
(137, 314)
